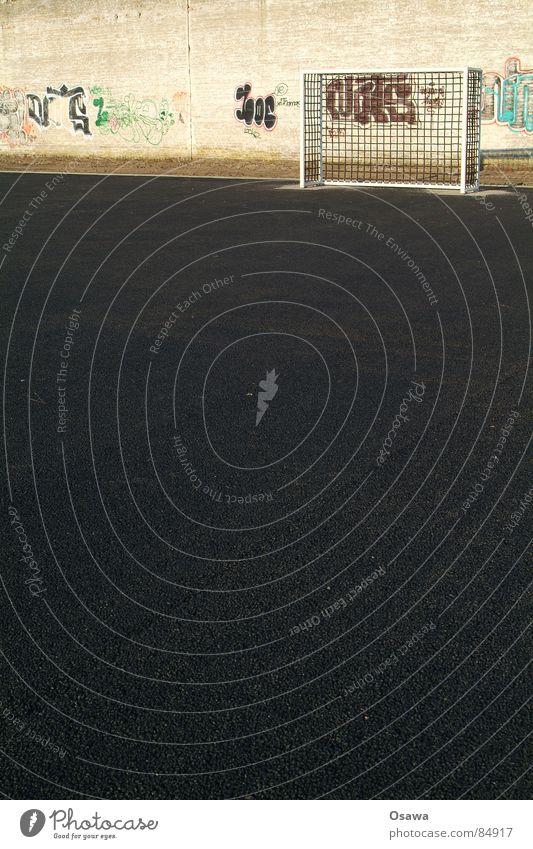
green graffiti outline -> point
(132, 119)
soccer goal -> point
(391, 128)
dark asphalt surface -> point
(333, 603)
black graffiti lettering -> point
(38, 109)
(244, 114)
(249, 111)
(270, 117)
(260, 110)
(77, 109)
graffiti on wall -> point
(255, 111)
(15, 128)
(180, 102)
(375, 98)
(281, 91)
(134, 120)
(39, 108)
(23, 114)
(508, 99)
(433, 97)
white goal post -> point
(406, 127)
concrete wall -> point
(124, 65)
(161, 77)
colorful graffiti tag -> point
(134, 120)
(375, 98)
(260, 111)
(23, 114)
(15, 128)
(508, 99)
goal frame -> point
(475, 127)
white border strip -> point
(263, 824)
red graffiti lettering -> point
(363, 98)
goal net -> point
(391, 128)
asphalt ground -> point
(332, 601)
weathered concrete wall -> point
(166, 77)
(124, 66)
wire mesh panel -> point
(414, 128)
(311, 101)
(473, 130)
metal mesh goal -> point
(391, 128)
